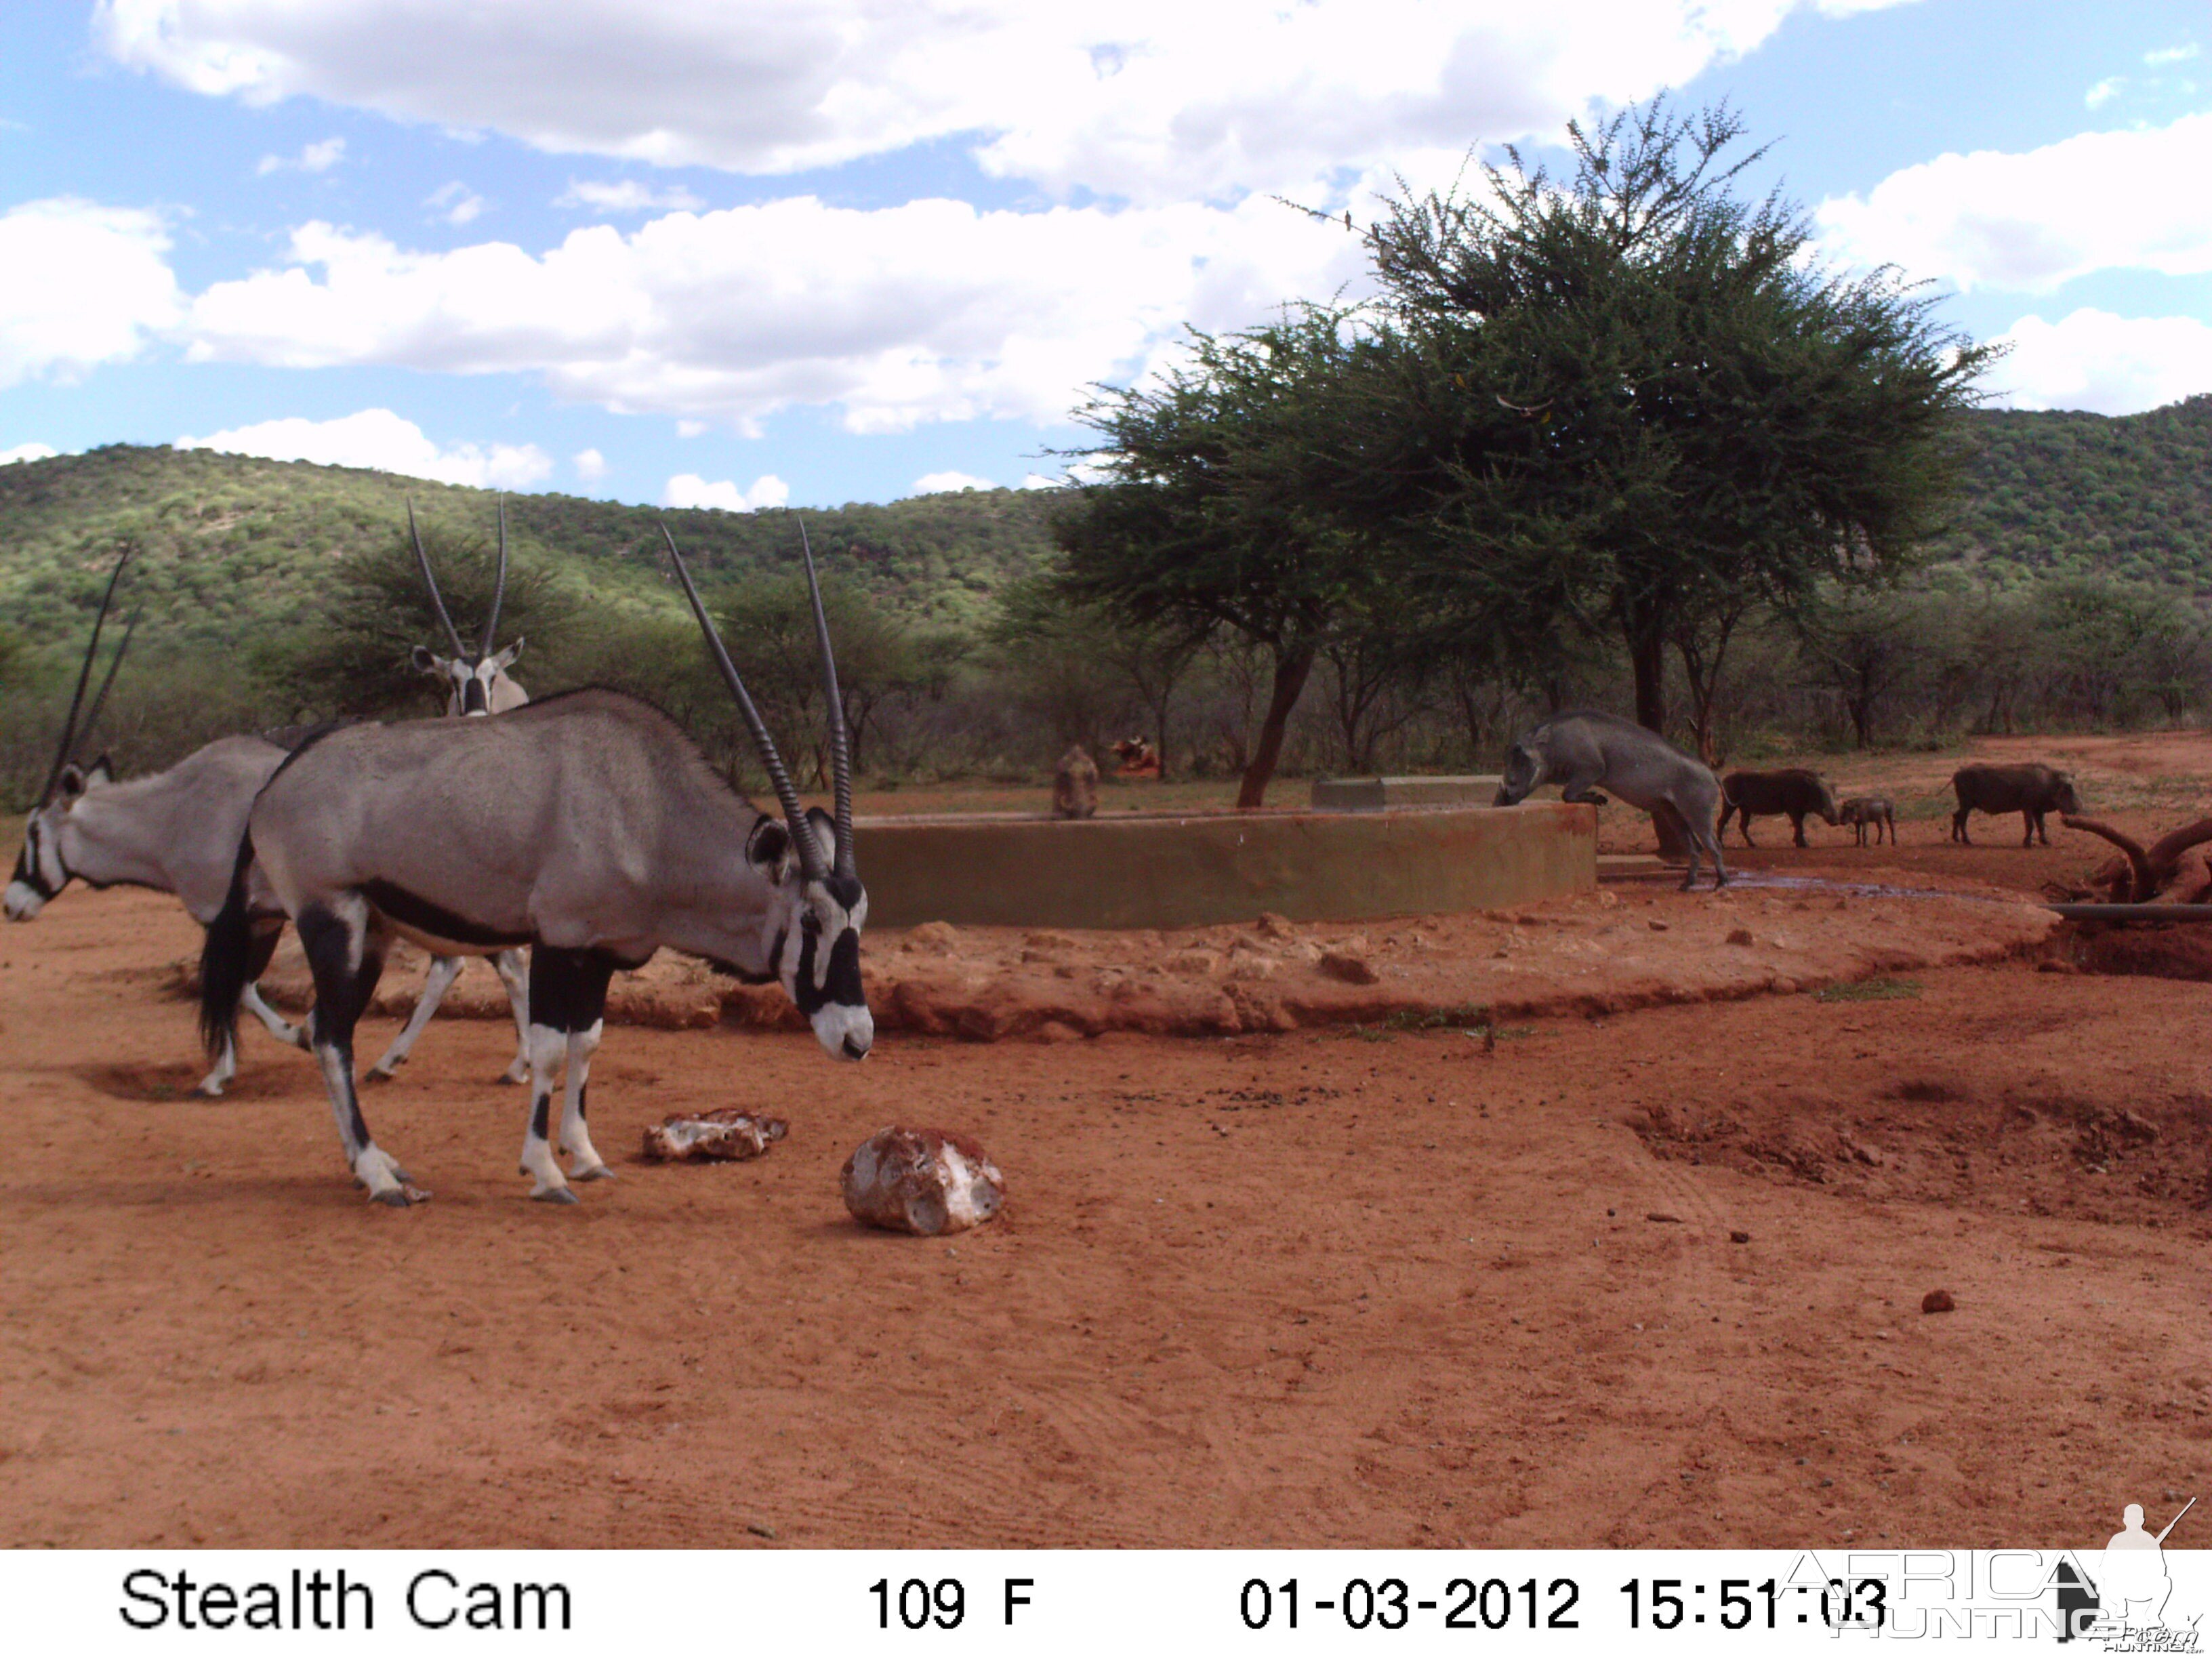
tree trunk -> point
(1290, 680)
(1648, 655)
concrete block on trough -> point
(1375, 795)
(1167, 870)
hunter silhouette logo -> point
(2123, 1604)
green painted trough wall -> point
(1168, 870)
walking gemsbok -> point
(586, 826)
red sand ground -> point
(1340, 1286)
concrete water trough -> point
(1378, 794)
(1195, 869)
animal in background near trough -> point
(1138, 758)
(2031, 791)
(477, 684)
(586, 826)
(1075, 784)
(1793, 791)
(1860, 810)
(1584, 750)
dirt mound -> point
(1936, 1138)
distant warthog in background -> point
(2030, 791)
(1860, 810)
(1793, 791)
(1582, 751)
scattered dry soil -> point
(1596, 1271)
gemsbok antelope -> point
(586, 826)
(476, 683)
(176, 832)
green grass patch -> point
(1869, 990)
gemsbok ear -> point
(506, 659)
(768, 849)
(423, 661)
(70, 783)
(102, 772)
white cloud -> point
(690, 489)
(932, 483)
(591, 466)
(83, 285)
(28, 452)
(1150, 99)
(626, 196)
(378, 438)
(320, 157)
(2095, 361)
(929, 311)
(2095, 202)
(456, 203)
(2105, 91)
(2167, 55)
(690, 429)
(1039, 480)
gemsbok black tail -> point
(226, 960)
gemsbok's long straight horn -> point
(83, 678)
(802, 835)
(499, 591)
(431, 581)
(841, 757)
(83, 740)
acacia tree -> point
(1700, 415)
(1207, 517)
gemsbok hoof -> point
(597, 1172)
(401, 1197)
(555, 1195)
(209, 1090)
(518, 1072)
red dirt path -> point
(1307, 1288)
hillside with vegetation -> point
(230, 543)
(2072, 493)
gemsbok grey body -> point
(1584, 749)
(586, 826)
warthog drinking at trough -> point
(1861, 811)
(2030, 791)
(1583, 750)
(1793, 791)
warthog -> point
(1793, 791)
(1582, 751)
(2030, 791)
(1075, 784)
(1860, 810)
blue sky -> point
(707, 252)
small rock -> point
(1662, 1215)
(1351, 969)
(2054, 967)
(1272, 925)
(727, 1136)
(1782, 986)
(1248, 968)
(1937, 1302)
(923, 1181)
(1657, 925)
(760, 1529)
(937, 938)
(1739, 936)
(1047, 941)
(1608, 900)
(1738, 1236)
(1195, 964)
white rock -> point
(923, 1181)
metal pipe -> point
(2135, 912)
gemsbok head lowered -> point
(476, 681)
(817, 907)
(42, 867)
